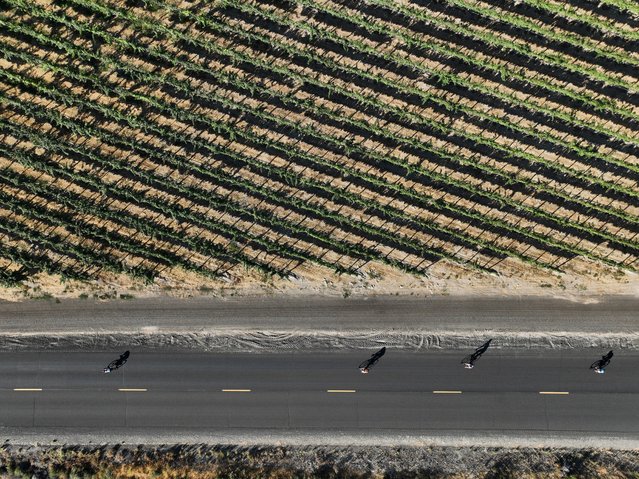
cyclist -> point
(469, 361)
(364, 367)
(117, 363)
(600, 366)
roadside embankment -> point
(212, 462)
(305, 341)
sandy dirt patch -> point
(581, 282)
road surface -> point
(607, 314)
(545, 392)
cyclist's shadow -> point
(370, 362)
(118, 363)
(471, 358)
(601, 364)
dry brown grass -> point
(226, 462)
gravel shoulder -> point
(531, 314)
(316, 438)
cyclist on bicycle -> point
(600, 366)
(469, 361)
(364, 367)
(117, 363)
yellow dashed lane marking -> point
(132, 390)
(447, 392)
(27, 389)
(341, 390)
(558, 393)
(236, 390)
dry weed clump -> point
(525, 464)
(266, 462)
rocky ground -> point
(264, 462)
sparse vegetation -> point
(43, 296)
(264, 462)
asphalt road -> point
(605, 314)
(423, 392)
